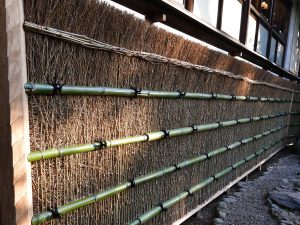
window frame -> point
(247, 10)
(179, 18)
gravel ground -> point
(251, 206)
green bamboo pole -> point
(45, 216)
(294, 124)
(171, 202)
(48, 89)
(158, 135)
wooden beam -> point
(244, 20)
(189, 5)
(220, 14)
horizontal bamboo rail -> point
(294, 124)
(154, 136)
(172, 201)
(45, 216)
(50, 89)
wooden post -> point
(15, 185)
(161, 17)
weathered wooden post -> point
(15, 185)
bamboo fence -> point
(100, 76)
(45, 216)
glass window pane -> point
(231, 19)
(294, 64)
(279, 57)
(251, 32)
(272, 50)
(262, 40)
(295, 55)
(207, 10)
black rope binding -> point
(207, 155)
(162, 207)
(55, 213)
(214, 176)
(194, 128)
(166, 133)
(220, 124)
(248, 98)
(233, 97)
(188, 191)
(251, 119)
(99, 144)
(213, 96)
(233, 167)
(132, 183)
(177, 167)
(136, 91)
(181, 94)
(56, 87)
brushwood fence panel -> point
(63, 120)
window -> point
(231, 18)
(272, 50)
(262, 25)
(271, 29)
(251, 30)
(295, 54)
(279, 56)
(262, 40)
(207, 10)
